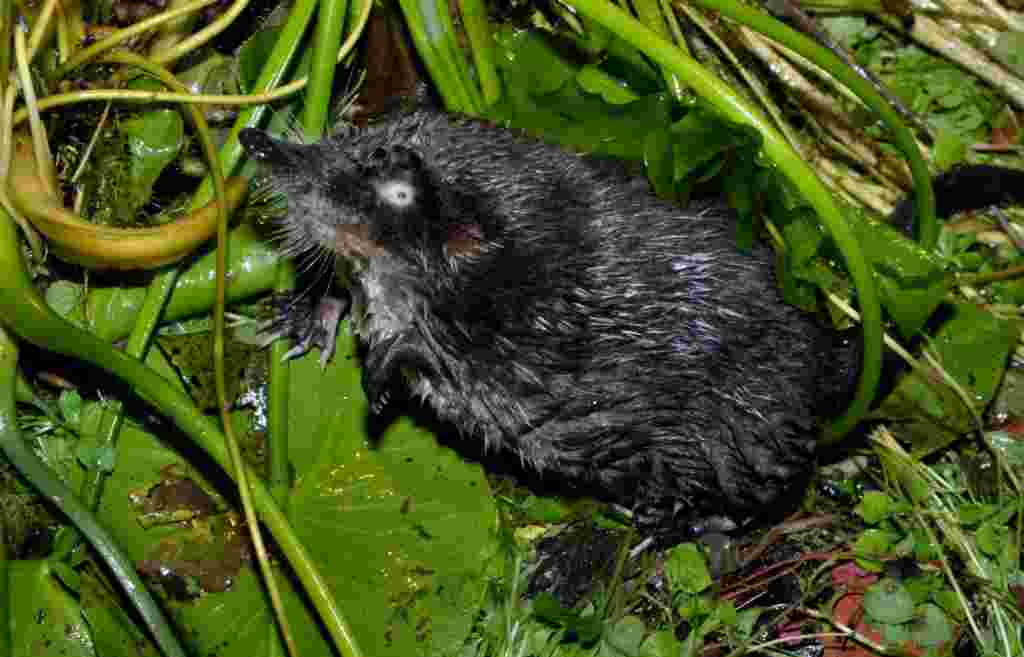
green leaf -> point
(896, 634)
(595, 81)
(698, 137)
(872, 544)
(620, 59)
(950, 149)
(931, 627)
(993, 538)
(46, 619)
(886, 601)
(583, 121)
(253, 54)
(686, 569)
(973, 347)
(746, 621)
(921, 587)
(623, 639)
(98, 458)
(659, 162)
(911, 281)
(402, 526)
(114, 631)
(154, 139)
(110, 312)
(586, 625)
(973, 513)
(661, 644)
(525, 53)
(70, 405)
(949, 602)
(874, 507)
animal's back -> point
(548, 304)
(646, 353)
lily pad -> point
(401, 526)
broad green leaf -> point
(154, 139)
(45, 618)
(873, 544)
(686, 569)
(699, 137)
(886, 601)
(992, 538)
(583, 121)
(623, 638)
(401, 525)
(931, 627)
(973, 513)
(874, 507)
(114, 632)
(1011, 447)
(973, 346)
(526, 52)
(910, 280)
(661, 644)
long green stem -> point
(278, 472)
(30, 318)
(649, 12)
(289, 41)
(231, 153)
(726, 101)
(326, 40)
(138, 343)
(481, 42)
(237, 466)
(924, 196)
(431, 28)
(49, 486)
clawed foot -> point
(305, 325)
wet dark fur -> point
(547, 303)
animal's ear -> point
(463, 240)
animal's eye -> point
(398, 194)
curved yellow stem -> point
(103, 247)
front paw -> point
(307, 326)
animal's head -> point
(361, 196)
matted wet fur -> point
(547, 303)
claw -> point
(307, 327)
